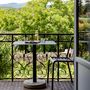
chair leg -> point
(70, 72)
(52, 75)
(48, 71)
(58, 72)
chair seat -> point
(68, 57)
(61, 59)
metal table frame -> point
(16, 43)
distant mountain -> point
(12, 5)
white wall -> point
(83, 77)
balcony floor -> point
(18, 85)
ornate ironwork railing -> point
(17, 62)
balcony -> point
(20, 61)
(18, 85)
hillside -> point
(12, 5)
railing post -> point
(44, 45)
(58, 56)
(32, 39)
(58, 45)
(12, 59)
(25, 47)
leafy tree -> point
(59, 18)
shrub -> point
(4, 61)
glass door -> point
(84, 29)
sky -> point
(13, 1)
(23, 1)
(16, 1)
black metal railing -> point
(10, 38)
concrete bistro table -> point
(34, 83)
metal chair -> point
(54, 60)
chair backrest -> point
(69, 51)
(66, 50)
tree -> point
(35, 16)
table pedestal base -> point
(35, 85)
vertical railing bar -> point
(44, 46)
(57, 45)
(58, 56)
(12, 60)
(25, 45)
(32, 36)
(32, 39)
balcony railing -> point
(18, 61)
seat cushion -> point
(60, 59)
